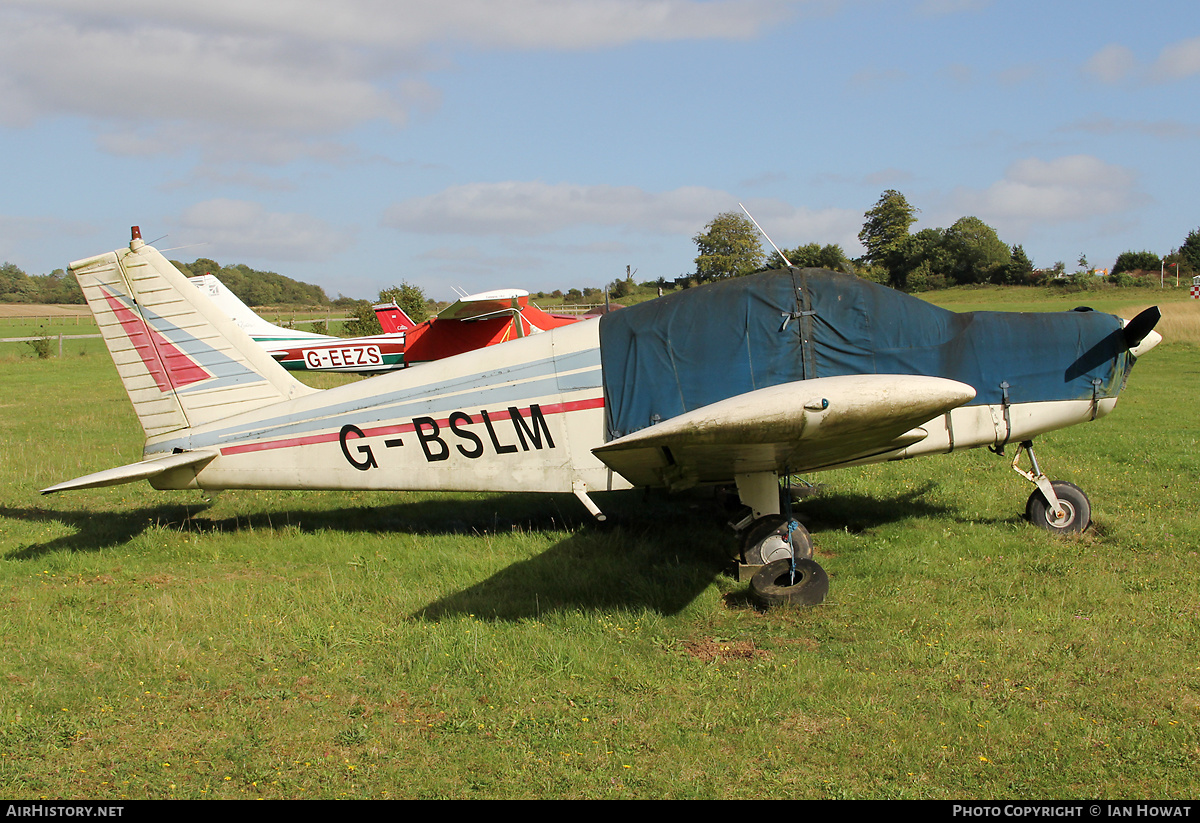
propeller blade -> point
(1136, 329)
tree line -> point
(257, 288)
(56, 287)
(968, 252)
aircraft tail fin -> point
(245, 317)
(183, 361)
(392, 318)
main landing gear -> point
(776, 542)
(783, 550)
(1056, 506)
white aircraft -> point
(305, 350)
(741, 382)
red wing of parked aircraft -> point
(472, 322)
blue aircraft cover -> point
(698, 346)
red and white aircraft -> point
(472, 322)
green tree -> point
(920, 262)
(257, 288)
(814, 256)
(1189, 252)
(886, 226)
(363, 322)
(728, 247)
(1131, 261)
(616, 289)
(411, 299)
(15, 285)
(979, 255)
(1019, 271)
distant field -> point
(1181, 315)
(377, 645)
(33, 311)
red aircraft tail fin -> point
(392, 318)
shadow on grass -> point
(656, 558)
(446, 515)
(657, 552)
(859, 513)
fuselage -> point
(527, 416)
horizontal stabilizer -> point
(135, 471)
(791, 427)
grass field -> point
(288, 644)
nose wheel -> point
(1056, 506)
(1074, 512)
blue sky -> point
(546, 144)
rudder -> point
(182, 361)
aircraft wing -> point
(135, 471)
(485, 304)
(792, 427)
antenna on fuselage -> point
(764, 234)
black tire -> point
(774, 584)
(1074, 502)
(767, 541)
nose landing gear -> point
(1056, 506)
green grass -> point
(287, 644)
(1102, 297)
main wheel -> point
(770, 539)
(775, 584)
(1077, 511)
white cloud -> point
(526, 209)
(534, 208)
(243, 229)
(300, 66)
(789, 226)
(1178, 60)
(874, 80)
(57, 66)
(1111, 64)
(18, 234)
(1161, 129)
(1115, 63)
(1077, 187)
(407, 24)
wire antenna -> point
(177, 248)
(764, 234)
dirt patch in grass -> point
(711, 650)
